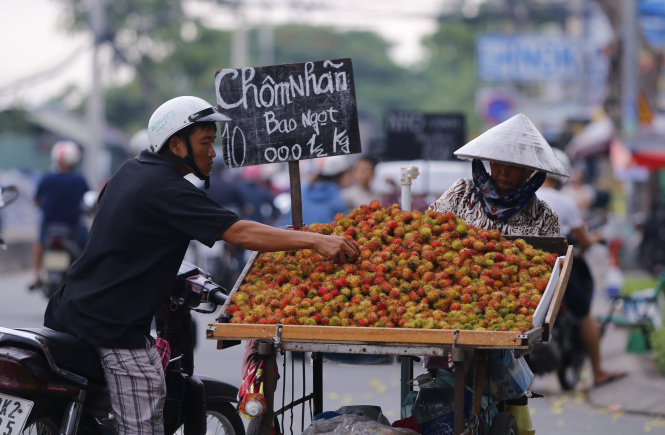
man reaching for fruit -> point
(147, 215)
(505, 199)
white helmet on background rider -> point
(176, 114)
(565, 161)
(139, 142)
(66, 153)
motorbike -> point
(565, 352)
(53, 383)
(7, 195)
(61, 248)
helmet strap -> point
(188, 161)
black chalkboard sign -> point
(414, 136)
(288, 112)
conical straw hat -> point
(515, 141)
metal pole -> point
(239, 57)
(95, 108)
(629, 69)
(267, 37)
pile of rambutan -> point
(415, 270)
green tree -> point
(449, 80)
(380, 83)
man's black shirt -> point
(147, 215)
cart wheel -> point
(503, 424)
(568, 376)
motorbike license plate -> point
(14, 413)
(56, 260)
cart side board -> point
(386, 336)
(559, 291)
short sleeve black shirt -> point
(147, 215)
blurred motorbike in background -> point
(7, 195)
(62, 246)
(564, 353)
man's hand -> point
(259, 237)
(337, 248)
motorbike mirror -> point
(90, 200)
(7, 195)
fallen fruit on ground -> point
(415, 270)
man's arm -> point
(584, 239)
(264, 238)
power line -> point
(46, 74)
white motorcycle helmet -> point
(173, 116)
(65, 153)
(176, 114)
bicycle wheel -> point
(221, 419)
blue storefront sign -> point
(528, 58)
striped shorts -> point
(137, 388)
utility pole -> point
(239, 55)
(267, 37)
(629, 68)
(95, 108)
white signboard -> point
(528, 58)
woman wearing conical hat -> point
(505, 197)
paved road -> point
(555, 414)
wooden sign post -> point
(288, 113)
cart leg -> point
(459, 360)
(479, 373)
(480, 362)
(267, 351)
(406, 375)
(317, 382)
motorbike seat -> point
(71, 353)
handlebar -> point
(217, 297)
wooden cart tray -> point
(396, 337)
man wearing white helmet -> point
(59, 195)
(146, 217)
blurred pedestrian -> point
(60, 196)
(360, 191)
(583, 193)
(579, 292)
(258, 196)
(322, 195)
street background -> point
(429, 75)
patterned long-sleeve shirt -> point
(535, 219)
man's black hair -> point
(371, 159)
